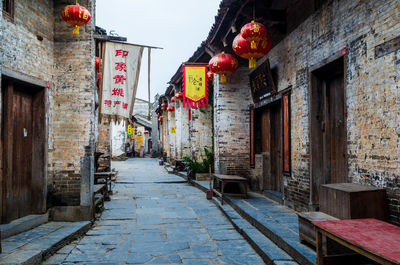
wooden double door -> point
(23, 150)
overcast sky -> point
(178, 26)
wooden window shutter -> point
(252, 162)
(286, 132)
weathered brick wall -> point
(27, 43)
(182, 131)
(73, 113)
(155, 133)
(371, 88)
(104, 146)
(201, 132)
(23, 51)
(232, 124)
(39, 44)
(1, 102)
(171, 137)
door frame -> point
(40, 167)
(338, 58)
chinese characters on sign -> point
(120, 79)
(195, 86)
(261, 82)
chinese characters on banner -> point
(120, 79)
(195, 86)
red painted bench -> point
(374, 239)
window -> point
(8, 9)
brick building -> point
(186, 131)
(333, 114)
(48, 114)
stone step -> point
(274, 221)
(269, 252)
(23, 224)
(33, 246)
(280, 226)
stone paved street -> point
(156, 218)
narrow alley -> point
(157, 218)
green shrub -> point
(197, 167)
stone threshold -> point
(35, 245)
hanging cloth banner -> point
(195, 86)
(121, 62)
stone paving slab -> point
(148, 222)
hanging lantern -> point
(98, 63)
(173, 99)
(76, 16)
(98, 80)
(160, 119)
(210, 75)
(164, 106)
(179, 96)
(171, 108)
(254, 32)
(146, 132)
(243, 49)
(223, 64)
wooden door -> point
(276, 147)
(23, 142)
(335, 131)
(265, 144)
(22, 153)
(328, 130)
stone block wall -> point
(232, 124)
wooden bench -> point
(220, 181)
(99, 192)
(306, 226)
(104, 178)
(370, 238)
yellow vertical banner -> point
(195, 86)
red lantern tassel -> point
(75, 31)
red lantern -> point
(210, 75)
(146, 132)
(164, 106)
(98, 63)
(243, 49)
(76, 16)
(173, 99)
(98, 80)
(179, 96)
(160, 119)
(254, 32)
(223, 64)
(171, 108)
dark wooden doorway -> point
(23, 150)
(268, 140)
(328, 127)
